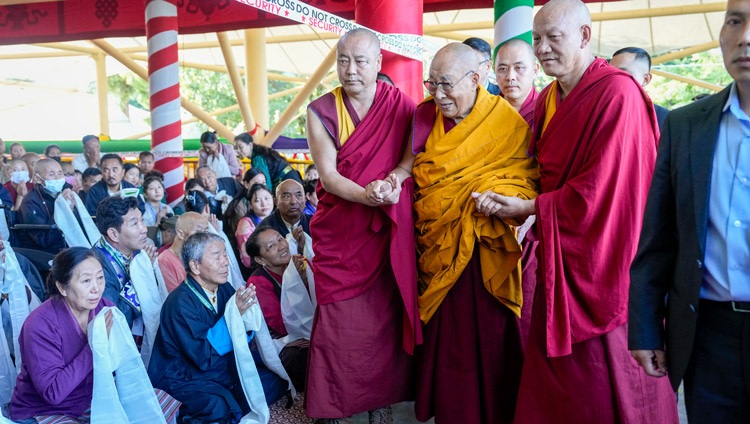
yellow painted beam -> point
(238, 85)
(186, 104)
(296, 103)
(688, 80)
(685, 52)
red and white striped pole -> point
(164, 91)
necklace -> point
(212, 296)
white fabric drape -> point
(127, 397)
(68, 224)
(151, 294)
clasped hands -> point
(383, 192)
(490, 203)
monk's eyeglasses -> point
(447, 87)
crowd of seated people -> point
(127, 205)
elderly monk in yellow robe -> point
(467, 140)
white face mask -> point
(18, 177)
(54, 186)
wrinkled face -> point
(92, 149)
(154, 192)
(146, 164)
(112, 173)
(258, 179)
(133, 233)
(16, 151)
(262, 203)
(274, 249)
(628, 63)
(515, 71)
(735, 40)
(358, 63)
(558, 43)
(214, 265)
(208, 179)
(90, 181)
(133, 176)
(290, 199)
(53, 171)
(86, 286)
(456, 95)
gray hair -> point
(195, 246)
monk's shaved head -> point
(358, 61)
(363, 34)
(453, 80)
(562, 41)
(456, 57)
(190, 223)
(574, 12)
(515, 71)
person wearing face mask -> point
(19, 183)
(38, 206)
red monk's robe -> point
(367, 322)
(596, 157)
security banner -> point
(407, 45)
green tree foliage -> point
(705, 66)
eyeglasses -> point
(445, 86)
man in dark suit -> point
(289, 216)
(637, 62)
(111, 183)
(694, 246)
(220, 191)
(484, 55)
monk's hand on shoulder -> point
(653, 362)
(245, 298)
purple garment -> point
(229, 154)
(57, 371)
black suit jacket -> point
(672, 247)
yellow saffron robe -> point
(485, 151)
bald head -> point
(290, 200)
(515, 71)
(562, 41)
(453, 80)
(190, 223)
(48, 169)
(358, 61)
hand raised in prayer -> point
(161, 214)
(490, 203)
(22, 189)
(67, 194)
(653, 362)
(214, 222)
(150, 249)
(108, 320)
(299, 236)
(245, 298)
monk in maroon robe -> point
(595, 137)
(515, 71)
(367, 322)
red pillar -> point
(395, 17)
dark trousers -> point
(294, 360)
(717, 381)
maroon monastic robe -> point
(367, 322)
(596, 157)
